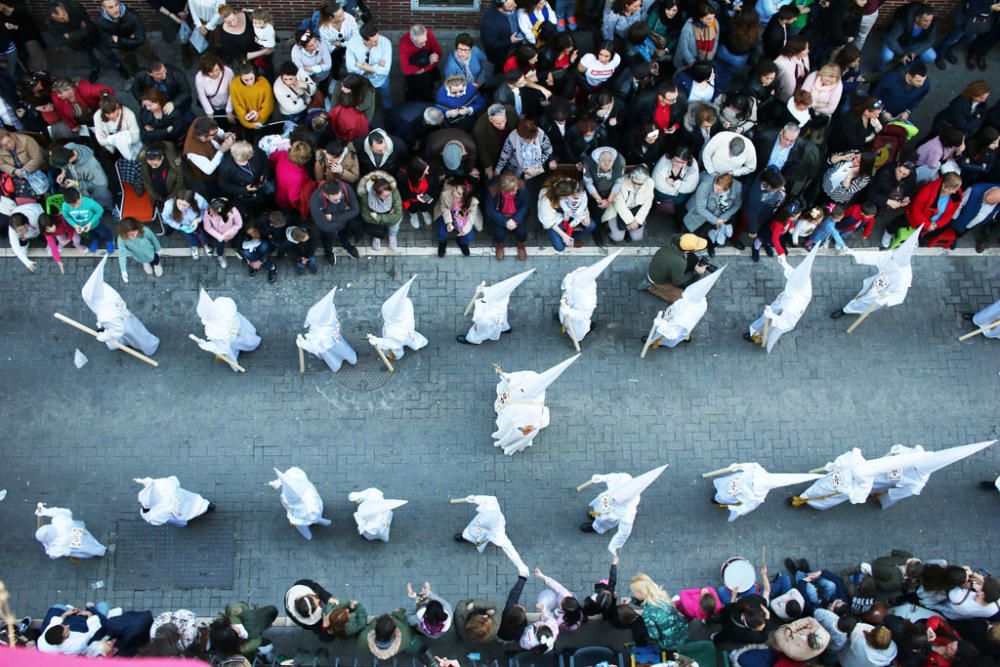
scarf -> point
(704, 38)
(465, 65)
(508, 203)
(378, 204)
(529, 154)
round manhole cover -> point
(369, 373)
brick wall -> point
(396, 14)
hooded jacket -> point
(600, 183)
(390, 161)
(387, 219)
(127, 27)
(340, 213)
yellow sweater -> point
(257, 97)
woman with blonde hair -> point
(666, 626)
(826, 88)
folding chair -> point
(133, 205)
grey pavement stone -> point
(76, 438)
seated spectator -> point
(902, 90)
(938, 150)
(419, 58)
(253, 101)
(75, 102)
(204, 147)
(389, 635)
(563, 212)
(25, 162)
(744, 621)
(506, 207)
(476, 620)
(117, 130)
(242, 627)
(184, 211)
(302, 249)
(966, 112)
(459, 102)
(934, 206)
(468, 61)
(847, 176)
(627, 217)
(910, 36)
(868, 646)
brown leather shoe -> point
(522, 254)
(981, 63)
(577, 244)
(980, 246)
(500, 254)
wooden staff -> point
(763, 335)
(302, 357)
(458, 501)
(585, 485)
(123, 348)
(799, 501)
(221, 357)
(720, 471)
(472, 301)
(8, 614)
(991, 325)
(572, 333)
(871, 309)
(381, 354)
(816, 471)
(649, 337)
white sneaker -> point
(414, 220)
(392, 242)
(428, 220)
(208, 251)
(158, 270)
(148, 268)
(886, 239)
(377, 243)
(222, 262)
(194, 252)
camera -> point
(709, 267)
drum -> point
(738, 574)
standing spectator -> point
(468, 60)
(138, 241)
(826, 89)
(761, 199)
(222, 221)
(490, 134)
(847, 176)
(84, 214)
(159, 120)
(729, 153)
(379, 151)
(204, 147)
(237, 40)
(415, 191)
(244, 176)
(337, 161)
(476, 620)
(515, 92)
(776, 33)
(124, 33)
(253, 101)
(75, 102)
(381, 207)
(526, 152)
(934, 206)
(419, 58)
(370, 55)
(293, 91)
(699, 38)
(973, 17)
(666, 626)
(966, 112)
(292, 181)
(460, 102)
(675, 266)
(205, 15)
(506, 207)
(184, 211)
(597, 68)
(537, 21)
(312, 56)
(172, 14)
(168, 80)
(70, 25)
(623, 15)
(160, 170)
(335, 27)
(938, 150)
(211, 82)
(25, 33)
(335, 212)
(675, 177)
(910, 36)
(431, 615)
(739, 38)
(980, 155)
(856, 129)
(241, 626)
(499, 32)
(793, 67)
(457, 210)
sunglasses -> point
(154, 155)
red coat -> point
(348, 123)
(856, 219)
(293, 186)
(407, 50)
(924, 207)
(88, 94)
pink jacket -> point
(219, 229)
(293, 184)
(826, 99)
(689, 602)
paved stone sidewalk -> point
(76, 438)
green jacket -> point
(255, 620)
(356, 620)
(669, 265)
(391, 217)
(886, 572)
(409, 641)
(462, 614)
(666, 626)
(142, 248)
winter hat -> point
(452, 156)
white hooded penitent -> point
(889, 286)
(325, 338)
(786, 310)
(113, 316)
(163, 501)
(520, 406)
(579, 298)
(227, 331)
(618, 504)
(680, 319)
(374, 515)
(489, 319)
(64, 536)
(399, 325)
(490, 525)
(301, 500)
(746, 488)
(903, 480)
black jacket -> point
(884, 186)
(78, 34)
(560, 147)
(340, 214)
(128, 28)
(177, 91)
(774, 38)
(959, 115)
(233, 179)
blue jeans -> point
(386, 94)
(299, 268)
(816, 591)
(442, 234)
(101, 234)
(579, 232)
(195, 238)
(565, 8)
(957, 36)
(927, 57)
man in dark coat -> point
(171, 82)
(70, 26)
(122, 30)
(498, 31)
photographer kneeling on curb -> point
(675, 266)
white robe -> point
(489, 525)
(168, 503)
(841, 483)
(304, 506)
(900, 483)
(328, 344)
(784, 312)
(65, 536)
(577, 304)
(886, 288)
(400, 332)
(746, 489)
(518, 421)
(678, 321)
(489, 320)
(987, 316)
(240, 336)
(609, 513)
(121, 326)
(371, 527)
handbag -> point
(978, 25)
(38, 182)
(184, 33)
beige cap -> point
(691, 242)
